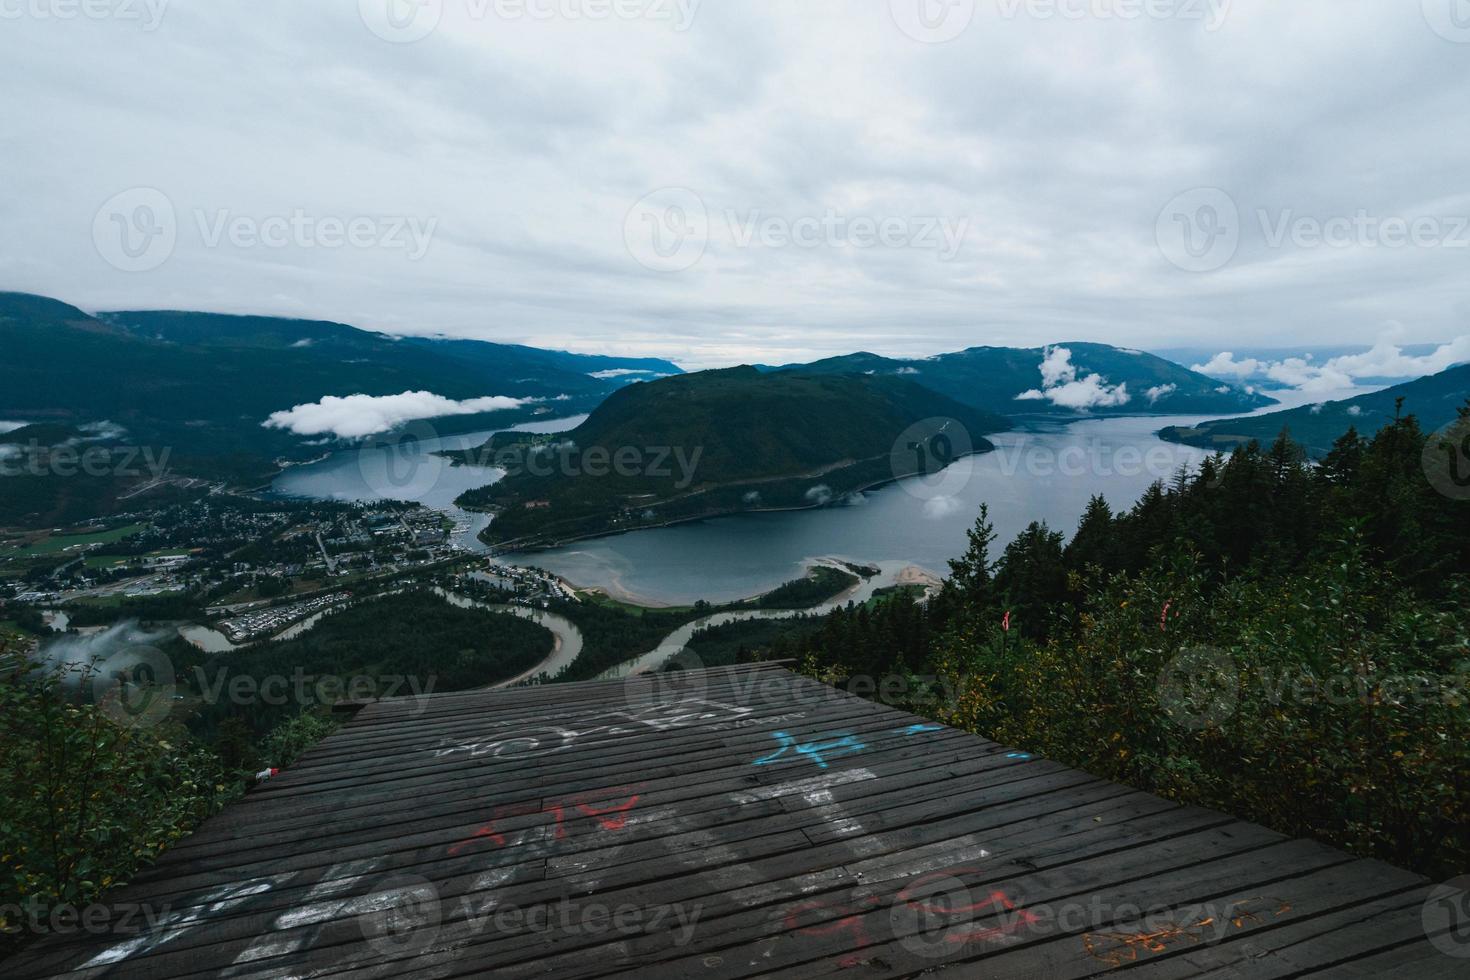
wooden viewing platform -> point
(729, 823)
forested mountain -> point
(730, 440)
(209, 380)
(1433, 399)
(1063, 379)
(502, 364)
(1281, 640)
(201, 386)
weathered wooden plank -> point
(796, 821)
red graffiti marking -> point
(604, 819)
(851, 922)
(996, 901)
(600, 805)
(850, 918)
(486, 831)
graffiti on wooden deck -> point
(815, 752)
(530, 742)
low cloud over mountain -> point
(356, 416)
(1061, 386)
(1386, 360)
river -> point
(1045, 470)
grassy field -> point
(55, 544)
(608, 602)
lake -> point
(407, 469)
(1045, 471)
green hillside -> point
(992, 378)
(736, 439)
(200, 386)
(1433, 400)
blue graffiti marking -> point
(920, 729)
(814, 751)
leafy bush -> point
(84, 802)
(1330, 704)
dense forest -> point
(614, 633)
(1280, 640)
(396, 645)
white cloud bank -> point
(1385, 360)
(1061, 386)
(612, 373)
(356, 416)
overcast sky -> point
(751, 180)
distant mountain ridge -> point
(751, 441)
(232, 330)
(1086, 378)
(203, 384)
(1433, 399)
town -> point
(245, 568)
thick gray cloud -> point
(750, 181)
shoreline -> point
(514, 548)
